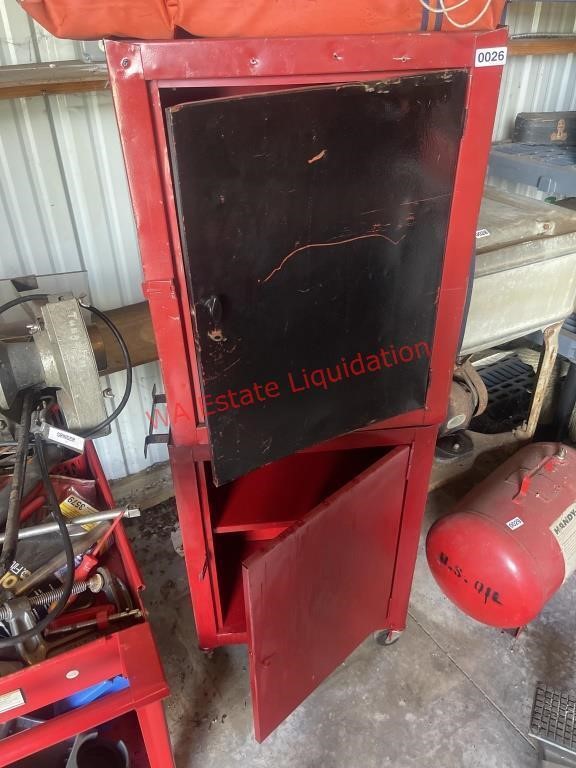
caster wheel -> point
(387, 636)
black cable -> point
(128, 388)
(17, 488)
(60, 606)
(22, 300)
(117, 335)
(50, 493)
(14, 501)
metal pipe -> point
(135, 325)
(135, 613)
(107, 514)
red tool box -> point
(135, 714)
(306, 211)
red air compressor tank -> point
(511, 542)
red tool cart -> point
(306, 210)
(135, 714)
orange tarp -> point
(157, 19)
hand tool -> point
(95, 584)
(135, 613)
(80, 544)
(17, 613)
(98, 611)
(107, 514)
(90, 560)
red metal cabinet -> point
(302, 557)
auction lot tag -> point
(491, 57)
(63, 437)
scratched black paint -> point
(313, 224)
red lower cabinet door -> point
(321, 588)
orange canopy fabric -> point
(157, 19)
(272, 18)
(94, 19)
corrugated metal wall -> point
(536, 83)
(64, 206)
(64, 201)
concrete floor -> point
(451, 693)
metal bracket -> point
(58, 354)
(151, 438)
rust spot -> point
(560, 134)
(216, 335)
(317, 157)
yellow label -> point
(73, 507)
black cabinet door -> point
(313, 224)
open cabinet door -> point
(321, 588)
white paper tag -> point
(11, 700)
(62, 437)
(516, 522)
(564, 531)
(491, 57)
(480, 233)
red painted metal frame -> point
(140, 73)
(139, 70)
(194, 515)
(130, 652)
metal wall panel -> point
(64, 206)
(64, 201)
(535, 83)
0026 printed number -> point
(490, 57)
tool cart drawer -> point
(130, 653)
